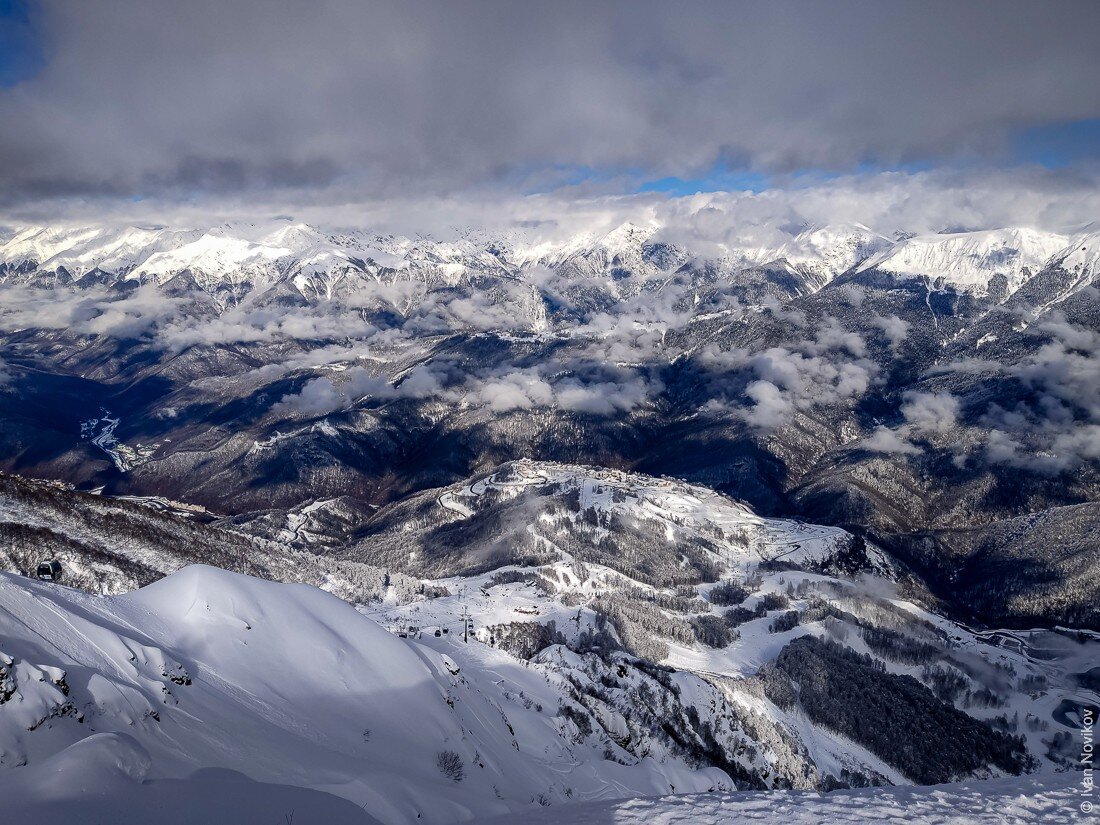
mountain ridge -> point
(966, 261)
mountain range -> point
(642, 513)
(914, 390)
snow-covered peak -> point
(968, 261)
(1082, 256)
(628, 235)
(41, 243)
(80, 250)
(263, 252)
(295, 236)
(624, 241)
(830, 250)
(684, 513)
(212, 255)
(212, 669)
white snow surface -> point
(1082, 256)
(260, 253)
(291, 686)
(746, 538)
(830, 250)
(102, 779)
(209, 685)
(1018, 801)
(969, 260)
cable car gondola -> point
(49, 571)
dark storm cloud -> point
(161, 97)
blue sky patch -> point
(20, 48)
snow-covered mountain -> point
(1081, 256)
(631, 254)
(828, 251)
(111, 546)
(566, 512)
(605, 655)
(686, 578)
(275, 366)
(730, 519)
(630, 681)
(292, 686)
(970, 261)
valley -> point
(599, 522)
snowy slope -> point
(1031, 677)
(110, 545)
(828, 251)
(559, 510)
(622, 261)
(292, 686)
(103, 782)
(80, 250)
(213, 256)
(968, 261)
(569, 511)
(103, 779)
(593, 250)
(1052, 800)
(744, 537)
(1082, 256)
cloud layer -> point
(201, 99)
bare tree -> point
(450, 765)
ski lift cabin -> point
(49, 571)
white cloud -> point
(321, 396)
(771, 407)
(930, 412)
(890, 442)
(520, 390)
(601, 398)
(421, 382)
(896, 329)
(248, 99)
